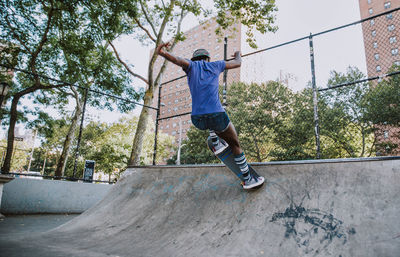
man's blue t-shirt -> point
(204, 83)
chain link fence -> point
(332, 94)
(294, 101)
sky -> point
(333, 51)
(295, 19)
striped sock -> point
(214, 137)
(242, 163)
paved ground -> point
(16, 226)
(306, 209)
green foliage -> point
(20, 156)
(295, 138)
(194, 149)
(109, 146)
(256, 110)
(345, 131)
(274, 123)
(254, 14)
(383, 101)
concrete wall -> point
(29, 196)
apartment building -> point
(381, 35)
(382, 51)
(175, 96)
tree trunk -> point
(10, 140)
(62, 162)
(137, 145)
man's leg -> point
(214, 137)
(219, 145)
(231, 137)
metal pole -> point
(80, 133)
(33, 149)
(157, 117)
(224, 104)
(315, 98)
(178, 158)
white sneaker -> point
(253, 182)
(220, 147)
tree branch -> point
(41, 43)
(125, 65)
(16, 36)
(148, 18)
(178, 31)
(145, 30)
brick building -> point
(175, 96)
(382, 51)
(381, 35)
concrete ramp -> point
(316, 208)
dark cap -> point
(200, 53)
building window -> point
(395, 51)
(376, 56)
(369, 1)
(391, 27)
(373, 33)
(386, 5)
(370, 11)
(378, 68)
(389, 16)
(375, 44)
(397, 63)
(372, 22)
(393, 39)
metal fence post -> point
(224, 104)
(80, 133)
(157, 117)
(315, 98)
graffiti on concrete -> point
(313, 230)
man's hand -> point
(237, 55)
(170, 57)
(235, 63)
(160, 48)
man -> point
(207, 110)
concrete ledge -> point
(342, 160)
(32, 196)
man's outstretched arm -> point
(172, 58)
(235, 63)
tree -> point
(156, 21)
(256, 110)
(294, 132)
(342, 114)
(194, 149)
(382, 109)
(57, 38)
(382, 101)
(109, 145)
